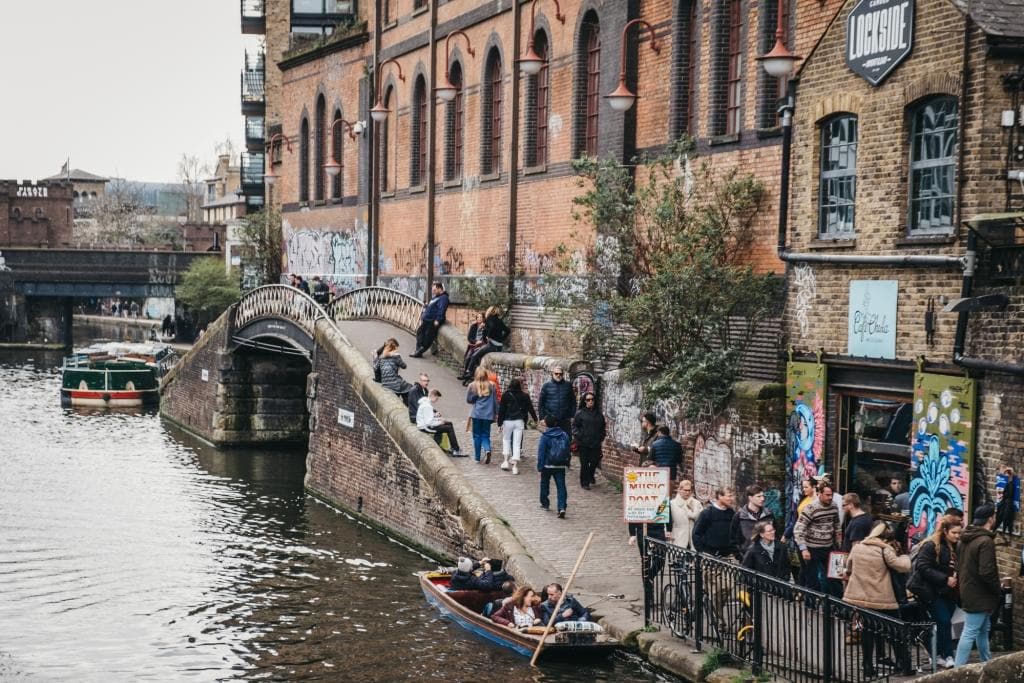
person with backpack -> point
(552, 460)
(515, 406)
(933, 580)
(496, 333)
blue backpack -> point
(561, 455)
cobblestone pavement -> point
(611, 565)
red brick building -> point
(35, 214)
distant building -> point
(223, 201)
(35, 214)
(85, 188)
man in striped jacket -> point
(817, 534)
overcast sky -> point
(123, 87)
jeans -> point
(481, 436)
(546, 475)
(815, 572)
(976, 628)
(512, 439)
(942, 609)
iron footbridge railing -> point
(278, 301)
(377, 303)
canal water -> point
(129, 551)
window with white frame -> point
(837, 181)
(933, 127)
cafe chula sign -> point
(879, 35)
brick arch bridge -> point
(277, 369)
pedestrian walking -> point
(685, 508)
(513, 410)
(431, 319)
(482, 395)
(321, 292)
(712, 531)
(389, 362)
(649, 431)
(588, 432)
(747, 518)
(870, 585)
(556, 400)
(934, 582)
(980, 589)
(552, 460)
(817, 534)
(858, 522)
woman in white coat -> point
(685, 509)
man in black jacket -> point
(557, 400)
(711, 531)
(666, 452)
(420, 388)
(978, 577)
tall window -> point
(932, 165)
(418, 133)
(588, 86)
(320, 146)
(304, 160)
(538, 100)
(338, 150)
(491, 131)
(734, 80)
(416, 4)
(385, 143)
(837, 185)
(693, 49)
(454, 114)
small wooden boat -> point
(115, 375)
(465, 609)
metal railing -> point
(277, 301)
(253, 79)
(252, 168)
(379, 303)
(776, 627)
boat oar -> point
(561, 598)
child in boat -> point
(520, 611)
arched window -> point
(538, 100)
(383, 137)
(303, 160)
(588, 85)
(693, 49)
(418, 133)
(837, 183)
(490, 143)
(933, 125)
(454, 114)
(75, 194)
(684, 68)
(320, 146)
(338, 150)
(734, 82)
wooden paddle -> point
(561, 598)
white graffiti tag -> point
(806, 291)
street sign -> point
(645, 495)
(879, 35)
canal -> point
(129, 551)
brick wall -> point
(185, 397)
(32, 220)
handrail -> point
(278, 301)
(379, 303)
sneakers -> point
(487, 457)
(946, 662)
(456, 453)
(545, 508)
(515, 468)
(504, 465)
(561, 514)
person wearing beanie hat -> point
(978, 577)
(490, 579)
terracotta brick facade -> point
(35, 214)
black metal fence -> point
(776, 627)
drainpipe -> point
(431, 146)
(513, 169)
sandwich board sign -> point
(645, 495)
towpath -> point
(611, 566)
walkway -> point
(611, 566)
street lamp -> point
(332, 167)
(379, 112)
(446, 90)
(780, 61)
(271, 177)
(622, 98)
(531, 63)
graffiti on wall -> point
(942, 450)
(338, 255)
(805, 427)
(806, 291)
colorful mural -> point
(943, 448)
(805, 426)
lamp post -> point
(379, 112)
(332, 167)
(277, 138)
(622, 98)
(531, 63)
(446, 91)
(780, 63)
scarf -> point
(769, 548)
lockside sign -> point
(879, 35)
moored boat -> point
(465, 608)
(115, 375)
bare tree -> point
(191, 173)
(115, 217)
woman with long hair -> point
(495, 334)
(520, 611)
(515, 407)
(934, 582)
(482, 395)
(588, 432)
(387, 364)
